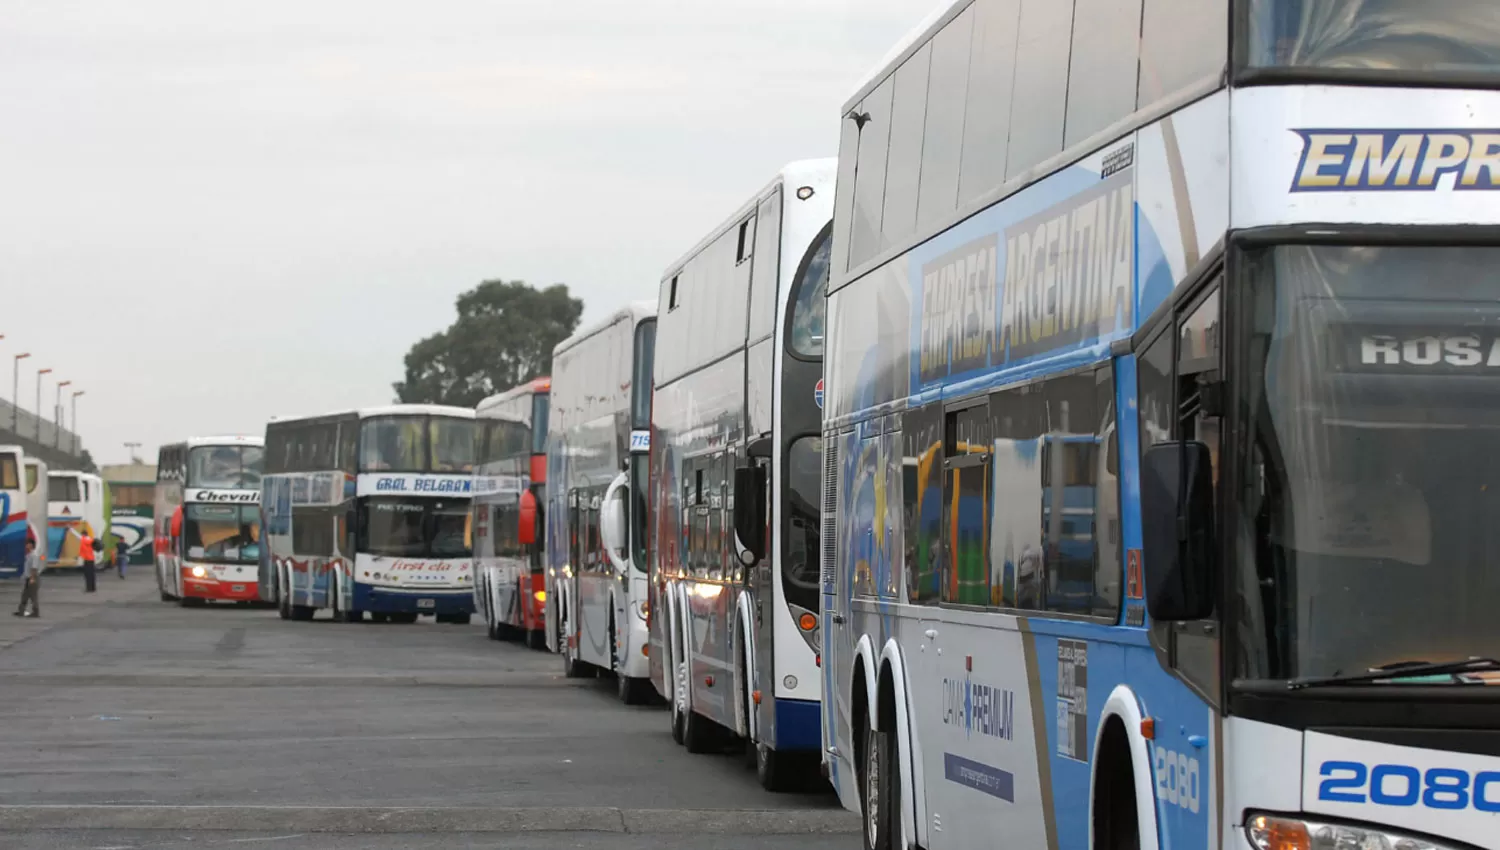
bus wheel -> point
(877, 777)
(1116, 826)
(379, 617)
(536, 639)
(303, 612)
(190, 602)
(775, 771)
(701, 735)
(165, 596)
(405, 617)
(283, 597)
(459, 619)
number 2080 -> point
(1404, 785)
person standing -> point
(32, 591)
(86, 553)
(122, 555)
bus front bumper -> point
(391, 600)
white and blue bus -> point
(735, 456)
(1161, 379)
(597, 466)
(368, 512)
(23, 508)
(75, 507)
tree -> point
(86, 462)
(504, 335)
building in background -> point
(131, 490)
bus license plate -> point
(425, 603)
(238, 588)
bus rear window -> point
(539, 424)
(63, 488)
(10, 477)
(225, 467)
(1420, 36)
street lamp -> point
(15, 395)
(39, 374)
(131, 447)
(75, 420)
(57, 415)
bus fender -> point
(684, 628)
(914, 806)
(1122, 703)
(864, 661)
(746, 672)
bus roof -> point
(71, 473)
(417, 410)
(226, 440)
(531, 387)
(935, 20)
(635, 311)
(798, 173)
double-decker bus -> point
(23, 507)
(75, 506)
(735, 458)
(367, 511)
(208, 520)
(510, 493)
(1184, 314)
(597, 460)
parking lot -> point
(129, 722)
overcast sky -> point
(214, 212)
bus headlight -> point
(1279, 832)
(199, 572)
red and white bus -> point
(509, 492)
(208, 519)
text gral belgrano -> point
(1067, 281)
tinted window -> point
(992, 73)
(63, 488)
(843, 202)
(393, 527)
(1041, 93)
(539, 410)
(312, 531)
(869, 178)
(452, 445)
(765, 272)
(1057, 531)
(640, 379)
(10, 476)
(637, 511)
(799, 565)
(393, 444)
(1183, 42)
(965, 558)
(904, 159)
(810, 307)
(942, 138)
(922, 500)
(1104, 65)
(1406, 35)
(448, 530)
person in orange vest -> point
(86, 554)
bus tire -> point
(536, 639)
(191, 602)
(303, 612)
(283, 596)
(379, 617)
(701, 735)
(777, 772)
(165, 596)
(1116, 824)
(404, 617)
(877, 784)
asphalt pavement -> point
(133, 723)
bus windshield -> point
(1366, 533)
(225, 467)
(222, 534)
(809, 307)
(539, 424)
(402, 527)
(799, 567)
(1431, 36)
(10, 476)
(63, 488)
(452, 444)
(393, 444)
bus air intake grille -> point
(830, 513)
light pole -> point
(39, 374)
(15, 394)
(131, 447)
(76, 394)
(57, 415)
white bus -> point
(75, 506)
(510, 493)
(208, 520)
(367, 511)
(23, 508)
(1186, 314)
(597, 448)
(735, 459)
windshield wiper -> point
(1401, 670)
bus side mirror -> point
(526, 533)
(1177, 530)
(612, 523)
(750, 512)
